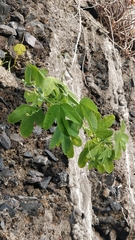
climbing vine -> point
(49, 101)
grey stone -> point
(6, 30)
(5, 141)
(34, 180)
(37, 130)
(33, 42)
(7, 206)
(41, 160)
(36, 27)
(30, 208)
(20, 31)
(45, 182)
(28, 154)
(1, 164)
(115, 206)
(4, 10)
(16, 137)
(50, 155)
(2, 54)
(34, 173)
(17, 17)
(6, 172)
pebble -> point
(32, 41)
(1, 164)
(115, 206)
(6, 30)
(6, 172)
(41, 160)
(50, 155)
(30, 208)
(2, 54)
(33, 180)
(7, 206)
(5, 141)
(34, 173)
(45, 182)
(4, 10)
(28, 154)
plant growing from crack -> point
(48, 100)
(19, 49)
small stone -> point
(33, 42)
(2, 54)
(45, 182)
(17, 17)
(7, 206)
(4, 10)
(30, 208)
(63, 179)
(6, 172)
(16, 137)
(6, 30)
(115, 206)
(52, 129)
(5, 141)
(132, 113)
(34, 173)
(41, 160)
(50, 155)
(34, 180)
(28, 154)
(1, 164)
(37, 130)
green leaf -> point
(44, 71)
(89, 104)
(26, 126)
(20, 112)
(82, 158)
(106, 122)
(66, 143)
(100, 168)
(104, 133)
(31, 97)
(50, 116)
(91, 118)
(56, 138)
(71, 113)
(19, 49)
(70, 152)
(77, 141)
(108, 165)
(48, 85)
(38, 117)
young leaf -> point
(106, 122)
(104, 133)
(77, 141)
(90, 117)
(27, 125)
(56, 138)
(31, 97)
(88, 104)
(38, 117)
(71, 113)
(20, 112)
(19, 49)
(108, 165)
(82, 158)
(50, 116)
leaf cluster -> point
(48, 100)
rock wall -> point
(76, 49)
(85, 59)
